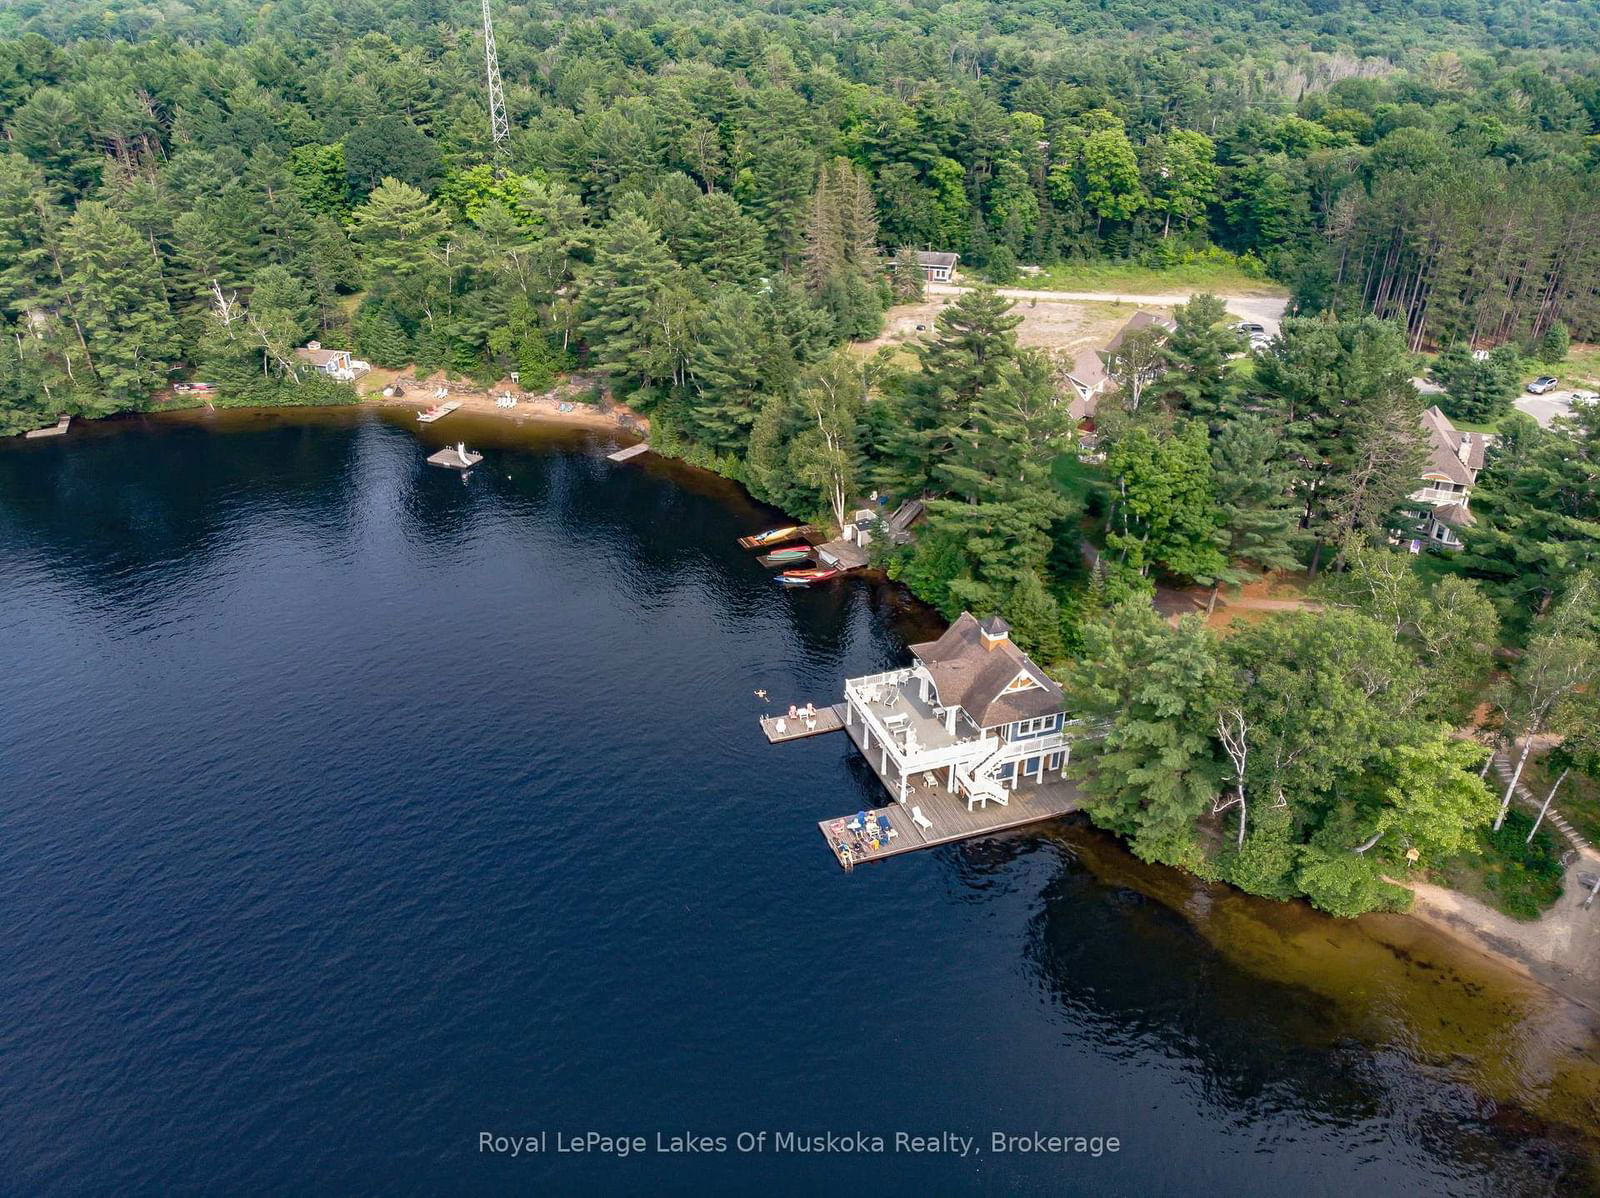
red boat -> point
(808, 576)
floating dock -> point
(57, 429)
(437, 412)
(455, 457)
(632, 451)
(828, 719)
(947, 813)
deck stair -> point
(979, 781)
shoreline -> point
(537, 410)
(1458, 916)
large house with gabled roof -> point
(973, 708)
(1440, 504)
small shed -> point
(937, 267)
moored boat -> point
(772, 536)
(813, 574)
(787, 556)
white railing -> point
(1433, 495)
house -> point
(1137, 322)
(937, 268)
(335, 363)
(1089, 380)
(1454, 460)
(973, 708)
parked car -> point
(1587, 396)
(1545, 382)
(1251, 329)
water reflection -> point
(1379, 1029)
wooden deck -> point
(847, 555)
(57, 429)
(1029, 804)
(632, 451)
(829, 719)
(438, 412)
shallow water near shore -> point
(353, 810)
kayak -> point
(773, 535)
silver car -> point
(1545, 382)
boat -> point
(787, 556)
(808, 576)
(772, 536)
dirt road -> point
(1266, 311)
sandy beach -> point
(531, 407)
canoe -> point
(771, 537)
(814, 574)
(789, 555)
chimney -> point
(992, 631)
(1464, 450)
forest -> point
(707, 210)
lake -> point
(351, 811)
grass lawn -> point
(1130, 277)
(1582, 367)
(1578, 800)
(1516, 879)
(1468, 426)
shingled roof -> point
(973, 672)
(1445, 442)
(1136, 322)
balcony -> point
(908, 730)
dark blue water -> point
(350, 811)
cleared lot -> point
(1048, 324)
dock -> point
(946, 812)
(844, 555)
(632, 451)
(455, 457)
(438, 412)
(828, 719)
(57, 429)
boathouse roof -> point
(979, 669)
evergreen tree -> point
(909, 284)
(1197, 382)
(1256, 514)
(126, 324)
(1155, 689)
(975, 337)
(630, 266)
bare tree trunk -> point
(1548, 799)
(1516, 775)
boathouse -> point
(974, 709)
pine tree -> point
(975, 338)
(397, 230)
(725, 244)
(1197, 382)
(1156, 689)
(727, 366)
(127, 325)
(630, 266)
(909, 283)
(1258, 517)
